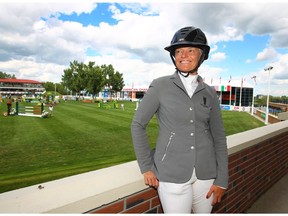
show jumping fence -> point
(32, 111)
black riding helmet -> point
(189, 37)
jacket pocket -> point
(167, 146)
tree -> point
(95, 79)
(60, 88)
(118, 82)
(261, 101)
(284, 99)
(114, 80)
(91, 78)
(49, 86)
(4, 75)
(74, 78)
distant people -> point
(50, 110)
(122, 106)
(9, 106)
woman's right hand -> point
(151, 179)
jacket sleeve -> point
(143, 115)
(220, 143)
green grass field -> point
(78, 138)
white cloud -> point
(267, 54)
(35, 43)
(135, 70)
(219, 56)
(278, 77)
(29, 69)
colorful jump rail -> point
(31, 111)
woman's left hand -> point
(218, 194)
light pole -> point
(267, 105)
(106, 89)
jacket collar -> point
(177, 81)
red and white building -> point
(133, 93)
(19, 87)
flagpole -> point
(230, 91)
(252, 109)
(230, 96)
(240, 94)
(220, 92)
(235, 102)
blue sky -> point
(100, 14)
(39, 40)
(238, 53)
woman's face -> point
(186, 58)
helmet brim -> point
(177, 45)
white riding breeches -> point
(183, 198)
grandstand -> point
(20, 87)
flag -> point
(226, 88)
(229, 79)
(254, 77)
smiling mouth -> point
(185, 62)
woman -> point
(190, 163)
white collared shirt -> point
(190, 83)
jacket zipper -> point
(166, 149)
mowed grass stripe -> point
(236, 122)
(95, 123)
(93, 114)
(97, 135)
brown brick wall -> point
(252, 172)
(146, 201)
